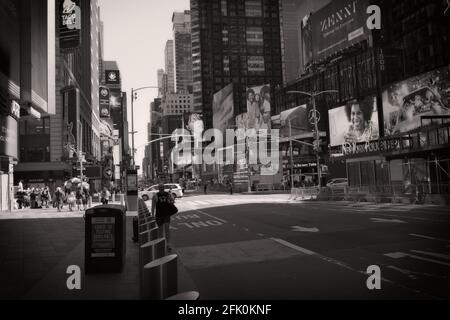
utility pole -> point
(316, 125)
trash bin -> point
(105, 235)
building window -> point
(255, 64)
(226, 64)
(224, 8)
(225, 37)
(255, 36)
(253, 8)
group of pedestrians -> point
(36, 198)
(33, 198)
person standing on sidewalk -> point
(162, 202)
(59, 197)
(205, 186)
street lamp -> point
(134, 97)
(313, 96)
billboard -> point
(259, 108)
(354, 123)
(299, 122)
(8, 137)
(112, 77)
(306, 31)
(337, 26)
(223, 109)
(404, 103)
(104, 95)
(69, 24)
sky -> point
(135, 35)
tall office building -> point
(292, 13)
(45, 156)
(170, 66)
(182, 50)
(237, 42)
(27, 82)
(160, 76)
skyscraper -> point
(237, 42)
(44, 143)
(182, 50)
(160, 76)
(170, 66)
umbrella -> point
(75, 180)
(68, 184)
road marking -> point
(301, 229)
(398, 255)
(378, 220)
(343, 265)
(295, 247)
(260, 234)
(433, 254)
(427, 237)
(211, 216)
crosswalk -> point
(197, 203)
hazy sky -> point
(135, 35)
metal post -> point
(132, 127)
(316, 130)
(291, 154)
(160, 278)
(149, 252)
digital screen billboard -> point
(355, 122)
(404, 103)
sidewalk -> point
(35, 254)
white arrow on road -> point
(301, 229)
(378, 220)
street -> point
(271, 248)
(248, 247)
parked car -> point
(337, 183)
(173, 188)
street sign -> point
(108, 173)
(314, 116)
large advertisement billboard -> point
(406, 102)
(69, 24)
(104, 95)
(337, 26)
(259, 108)
(223, 109)
(354, 123)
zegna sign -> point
(381, 145)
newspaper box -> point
(105, 247)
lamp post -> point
(134, 97)
(313, 96)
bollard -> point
(149, 252)
(160, 278)
(148, 235)
(186, 296)
(147, 226)
(122, 199)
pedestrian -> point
(105, 194)
(20, 195)
(33, 198)
(79, 198)
(59, 196)
(45, 195)
(162, 209)
(84, 197)
(71, 200)
(231, 187)
(205, 187)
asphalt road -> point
(271, 248)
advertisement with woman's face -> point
(406, 102)
(259, 107)
(354, 123)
